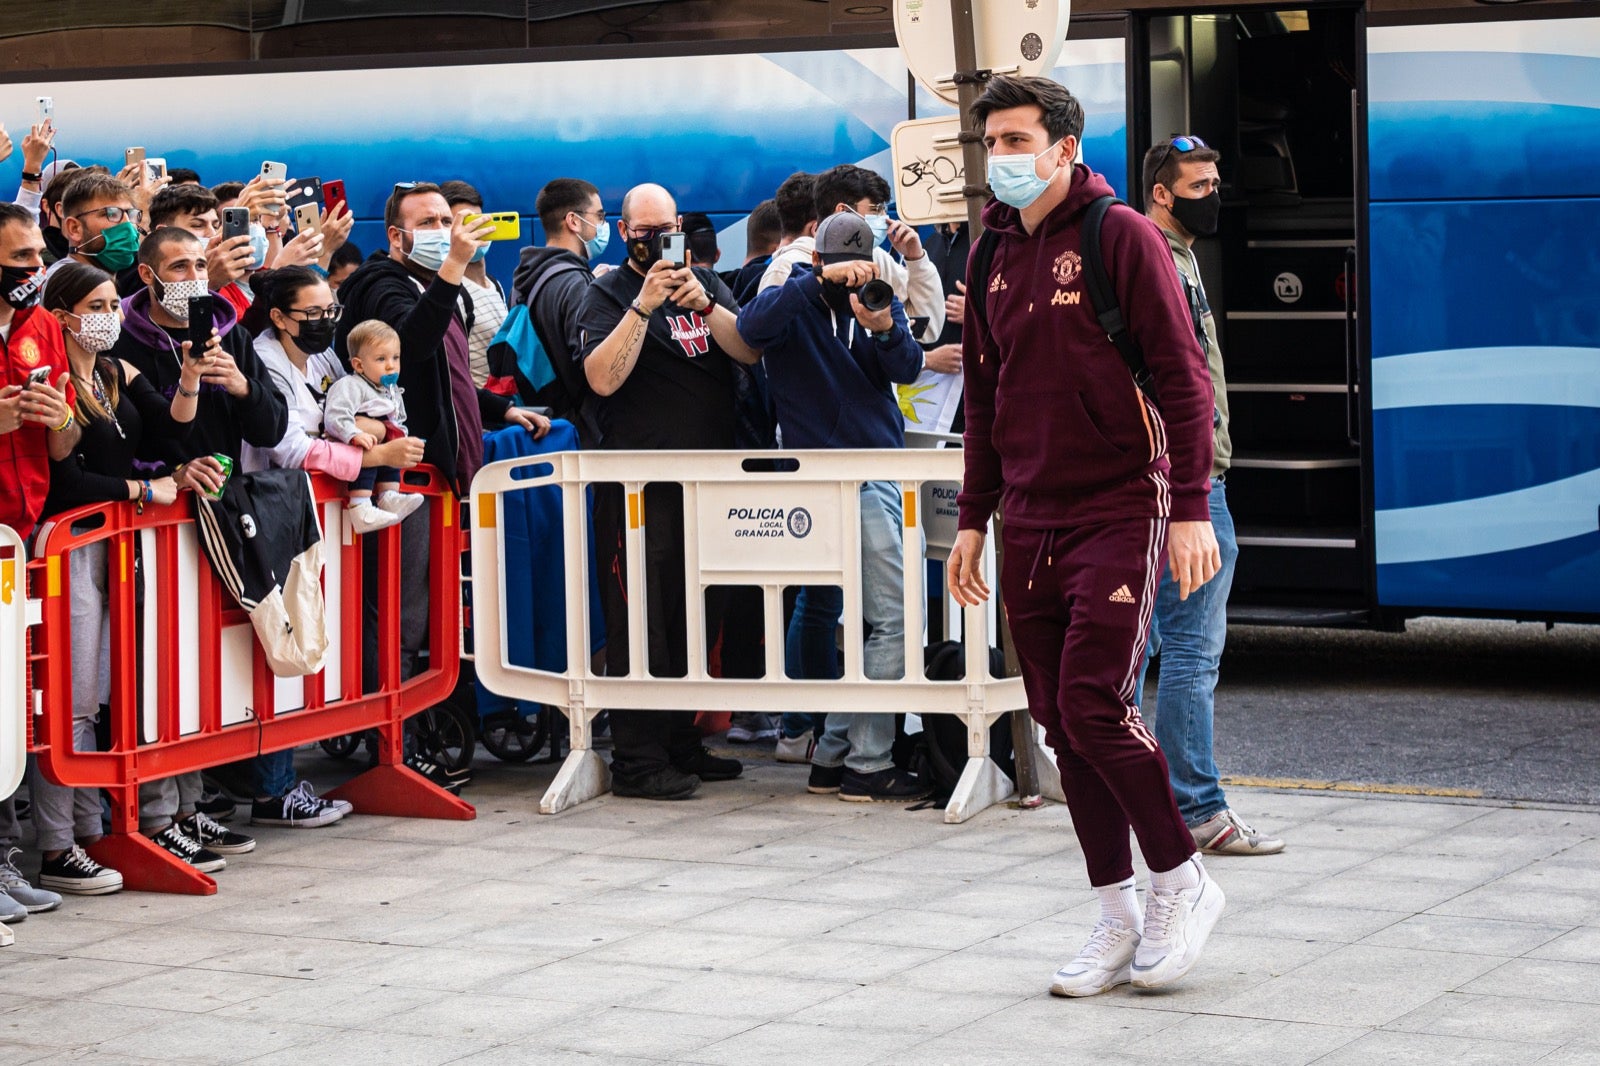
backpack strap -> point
(1104, 296)
(566, 373)
(982, 261)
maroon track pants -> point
(1079, 603)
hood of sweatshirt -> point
(535, 261)
(138, 324)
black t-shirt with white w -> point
(680, 393)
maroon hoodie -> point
(1054, 419)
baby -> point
(373, 391)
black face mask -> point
(315, 336)
(645, 251)
(837, 296)
(20, 286)
(1199, 216)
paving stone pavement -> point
(758, 924)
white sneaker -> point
(796, 749)
(1104, 962)
(18, 891)
(365, 518)
(1176, 925)
(399, 503)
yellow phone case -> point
(507, 225)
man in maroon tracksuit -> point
(1095, 481)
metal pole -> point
(969, 79)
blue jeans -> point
(810, 648)
(275, 773)
(862, 742)
(1189, 636)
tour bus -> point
(1404, 279)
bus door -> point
(1276, 93)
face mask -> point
(481, 254)
(98, 331)
(878, 224)
(20, 285)
(645, 251)
(595, 246)
(1198, 216)
(120, 248)
(173, 296)
(837, 296)
(1015, 178)
(315, 336)
(389, 381)
(429, 247)
(258, 246)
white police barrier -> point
(765, 528)
(17, 613)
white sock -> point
(1119, 901)
(1186, 875)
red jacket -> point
(35, 341)
(1055, 422)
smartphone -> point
(305, 191)
(333, 194)
(919, 325)
(235, 222)
(157, 168)
(275, 170)
(507, 225)
(200, 324)
(307, 218)
(47, 108)
(672, 248)
(38, 376)
(130, 156)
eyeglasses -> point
(115, 215)
(601, 212)
(406, 186)
(1183, 144)
(330, 313)
(647, 232)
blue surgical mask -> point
(429, 247)
(1015, 178)
(595, 246)
(481, 254)
(878, 224)
(389, 381)
(258, 246)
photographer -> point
(836, 342)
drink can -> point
(226, 463)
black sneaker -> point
(435, 773)
(216, 806)
(74, 873)
(172, 839)
(214, 836)
(709, 767)
(300, 808)
(825, 780)
(667, 783)
(886, 786)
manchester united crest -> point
(1068, 266)
(28, 352)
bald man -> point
(657, 343)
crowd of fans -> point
(322, 359)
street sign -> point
(928, 171)
(1012, 37)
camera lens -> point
(875, 294)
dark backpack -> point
(544, 376)
(1102, 294)
(939, 753)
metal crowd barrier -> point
(190, 688)
(745, 524)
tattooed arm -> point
(613, 359)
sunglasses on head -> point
(1183, 145)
